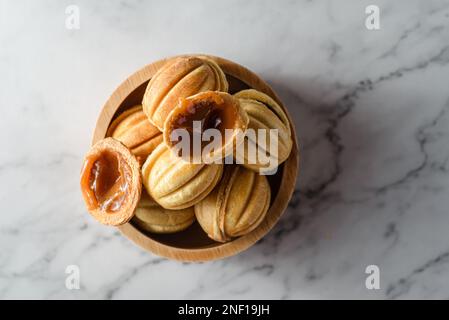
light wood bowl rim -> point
(278, 206)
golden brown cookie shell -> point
(133, 129)
(236, 206)
(151, 217)
(175, 183)
(180, 78)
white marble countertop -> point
(371, 110)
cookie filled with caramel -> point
(111, 182)
(195, 116)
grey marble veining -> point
(371, 110)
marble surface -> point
(371, 110)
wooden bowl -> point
(193, 244)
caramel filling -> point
(106, 179)
(212, 111)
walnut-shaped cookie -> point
(180, 78)
(151, 217)
(236, 206)
(177, 184)
(263, 113)
(133, 129)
